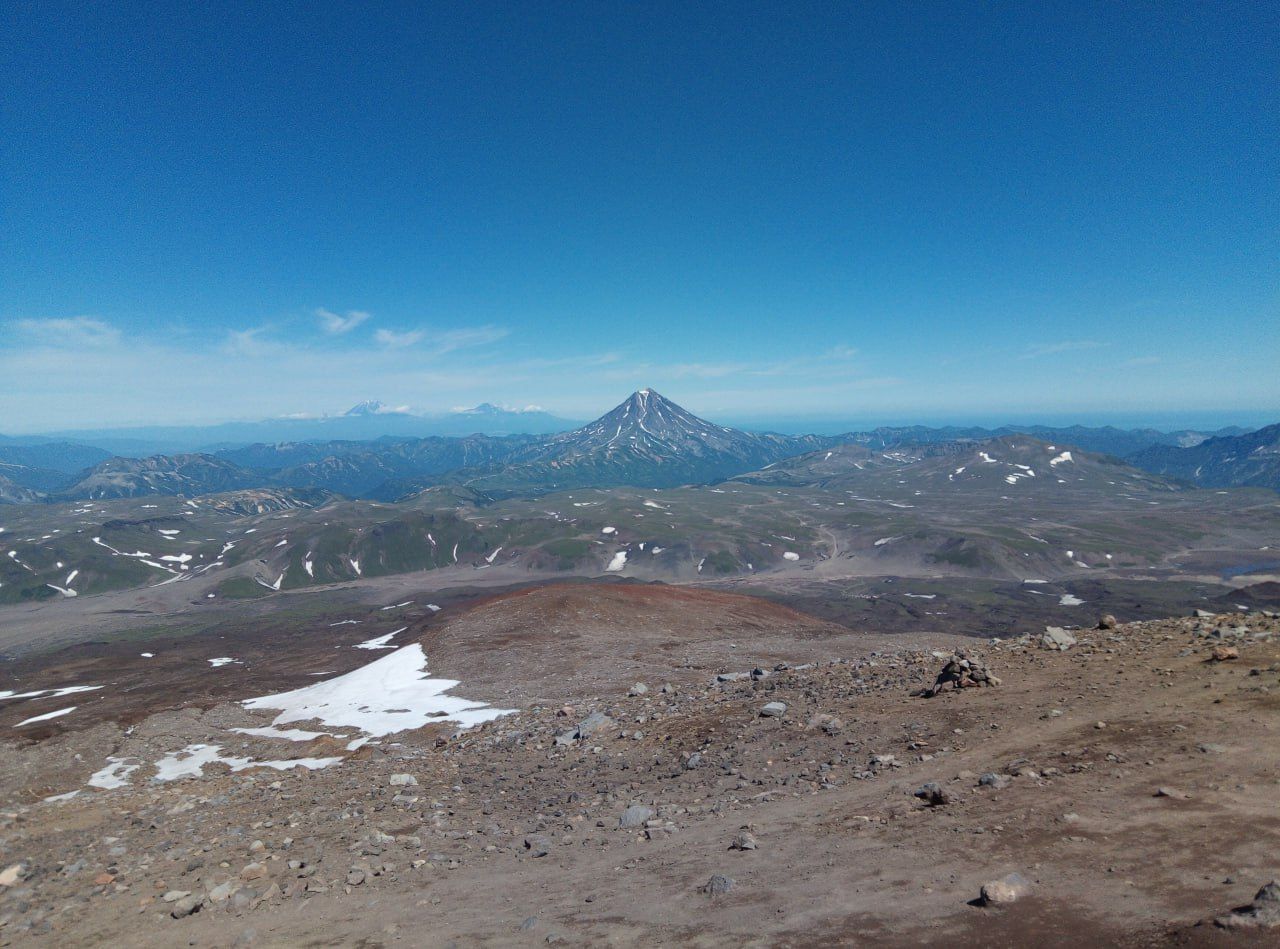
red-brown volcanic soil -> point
(1134, 786)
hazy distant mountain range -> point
(646, 441)
(367, 420)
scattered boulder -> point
(744, 841)
(1007, 889)
(595, 722)
(12, 874)
(638, 689)
(718, 885)
(186, 906)
(1224, 654)
(1262, 913)
(993, 780)
(538, 845)
(403, 781)
(635, 816)
(1055, 637)
(1107, 621)
(773, 710)
(933, 794)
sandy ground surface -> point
(511, 833)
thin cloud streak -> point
(338, 325)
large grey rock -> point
(1262, 913)
(718, 885)
(933, 794)
(1055, 637)
(773, 710)
(595, 722)
(538, 845)
(635, 816)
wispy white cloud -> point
(440, 342)
(1065, 346)
(74, 332)
(336, 324)
(393, 340)
(250, 342)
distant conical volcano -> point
(648, 441)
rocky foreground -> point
(1115, 786)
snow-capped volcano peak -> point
(374, 407)
(649, 423)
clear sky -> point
(882, 210)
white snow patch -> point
(46, 716)
(1068, 600)
(388, 695)
(190, 762)
(618, 562)
(381, 642)
(987, 458)
(608, 530)
(1059, 459)
(922, 596)
(48, 693)
(790, 555)
(222, 661)
(286, 734)
(115, 774)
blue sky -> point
(876, 211)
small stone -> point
(638, 689)
(1107, 621)
(222, 892)
(355, 876)
(403, 780)
(744, 841)
(185, 907)
(253, 871)
(1224, 654)
(174, 895)
(995, 781)
(773, 710)
(11, 874)
(1005, 890)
